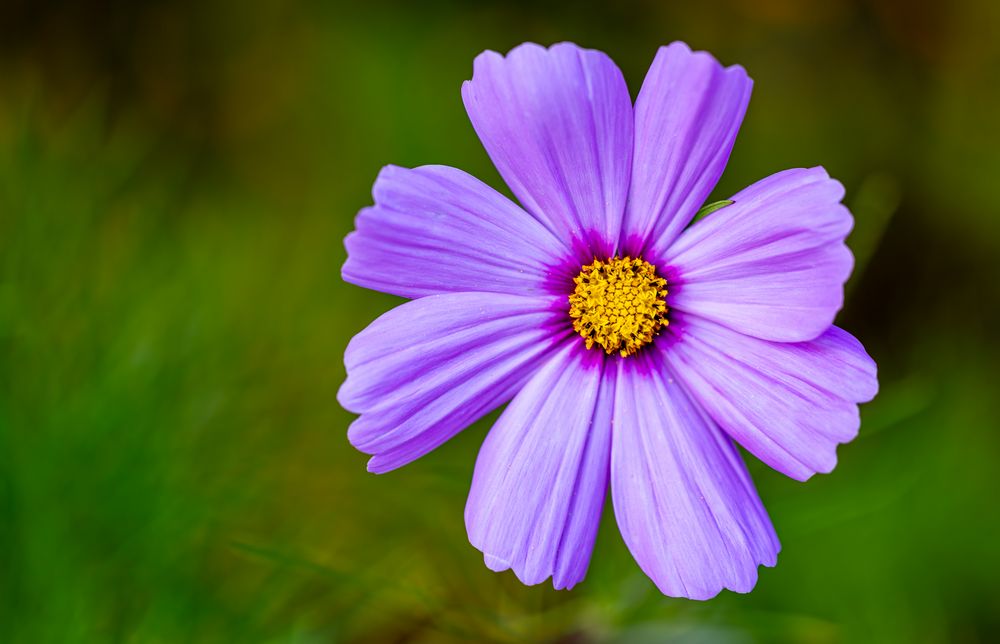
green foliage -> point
(708, 209)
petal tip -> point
(345, 397)
(484, 58)
(525, 575)
(494, 563)
(381, 464)
(872, 387)
(745, 582)
(564, 584)
(681, 48)
(678, 46)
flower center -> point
(619, 303)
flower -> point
(633, 348)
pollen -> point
(619, 304)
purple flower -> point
(634, 349)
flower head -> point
(619, 303)
(632, 346)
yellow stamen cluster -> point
(619, 303)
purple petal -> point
(789, 404)
(773, 264)
(542, 473)
(686, 118)
(425, 370)
(684, 501)
(557, 123)
(435, 229)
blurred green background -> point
(175, 184)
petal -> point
(425, 370)
(684, 501)
(557, 123)
(687, 115)
(542, 473)
(773, 264)
(435, 229)
(789, 404)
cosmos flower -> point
(634, 347)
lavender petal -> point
(687, 115)
(542, 473)
(789, 404)
(684, 501)
(435, 229)
(427, 369)
(773, 264)
(557, 124)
